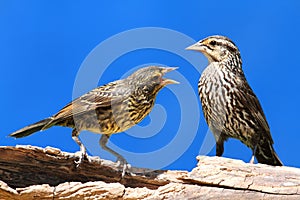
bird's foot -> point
(252, 160)
(81, 156)
(122, 163)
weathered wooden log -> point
(28, 172)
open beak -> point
(166, 81)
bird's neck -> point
(232, 63)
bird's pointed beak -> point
(196, 47)
(169, 69)
(166, 81)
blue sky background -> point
(43, 44)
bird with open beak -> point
(108, 109)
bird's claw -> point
(252, 160)
(82, 156)
(122, 163)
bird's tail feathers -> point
(277, 160)
(28, 130)
(266, 154)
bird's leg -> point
(220, 147)
(120, 159)
(219, 142)
(253, 154)
(83, 153)
(255, 149)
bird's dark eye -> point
(213, 42)
(156, 78)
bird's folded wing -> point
(100, 97)
(255, 110)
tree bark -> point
(28, 172)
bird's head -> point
(151, 78)
(216, 48)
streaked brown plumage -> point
(230, 107)
(108, 109)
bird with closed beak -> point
(230, 107)
(108, 109)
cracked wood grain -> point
(28, 172)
